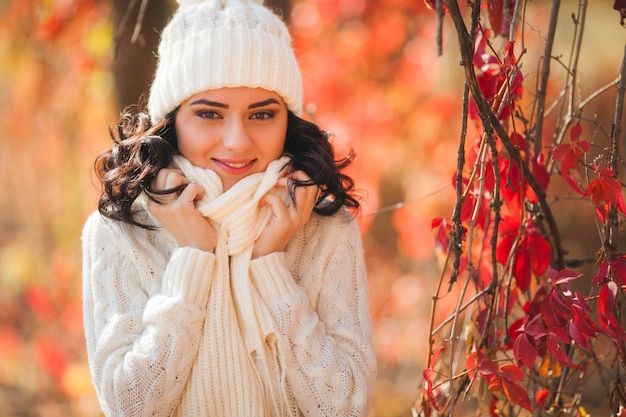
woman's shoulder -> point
(341, 226)
(97, 226)
(342, 219)
(98, 223)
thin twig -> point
(440, 14)
(456, 236)
(124, 22)
(545, 73)
(139, 22)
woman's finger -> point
(192, 193)
(167, 179)
(174, 178)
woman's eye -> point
(262, 115)
(208, 114)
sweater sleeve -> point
(140, 346)
(326, 338)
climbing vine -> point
(521, 340)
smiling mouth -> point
(236, 165)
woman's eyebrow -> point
(225, 106)
(263, 103)
(209, 103)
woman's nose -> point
(236, 137)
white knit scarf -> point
(239, 221)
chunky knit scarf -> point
(237, 371)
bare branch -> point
(545, 73)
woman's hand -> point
(286, 219)
(178, 213)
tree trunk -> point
(282, 5)
(135, 47)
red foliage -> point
(495, 77)
(51, 357)
(506, 379)
(605, 189)
(499, 15)
(569, 155)
(550, 329)
(532, 253)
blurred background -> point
(372, 76)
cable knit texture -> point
(178, 331)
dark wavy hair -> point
(140, 150)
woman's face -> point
(232, 131)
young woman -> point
(223, 272)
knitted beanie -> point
(211, 44)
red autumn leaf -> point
(522, 269)
(534, 306)
(561, 304)
(533, 253)
(513, 373)
(435, 356)
(566, 154)
(516, 394)
(565, 277)
(516, 328)
(487, 369)
(606, 301)
(581, 316)
(491, 77)
(618, 270)
(536, 328)
(508, 56)
(511, 184)
(602, 274)
(470, 365)
(483, 319)
(578, 337)
(542, 396)
(494, 383)
(441, 237)
(542, 177)
(503, 250)
(495, 15)
(509, 225)
(602, 213)
(493, 407)
(428, 384)
(541, 251)
(523, 349)
(559, 334)
(557, 353)
(605, 189)
(469, 206)
(616, 332)
(551, 317)
(569, 154)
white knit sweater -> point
(179, 331)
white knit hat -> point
(211, 44)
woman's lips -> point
(235, 167)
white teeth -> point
(232, 165)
